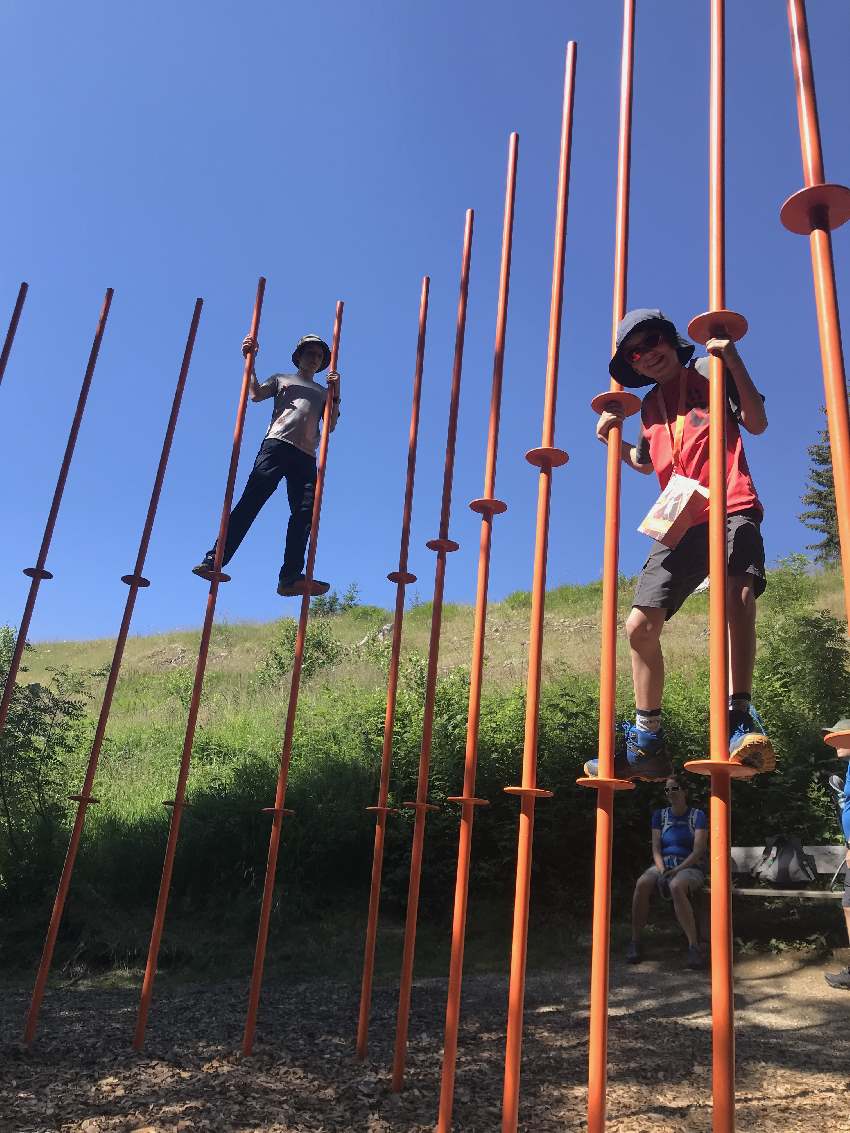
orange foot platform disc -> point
(819, 206)
(721, 767)
(837, 739)
(616, 401)
(717, 324)
(595, 782)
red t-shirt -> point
(655, 444)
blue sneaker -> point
(748, 742)
(645, 756)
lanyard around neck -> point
(677, 434)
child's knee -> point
(740, 592)
(644, 627)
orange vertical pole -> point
(38, 572)
(615, 399)
(215, 577)
(546, 457)
(402, 578)
(85, 798)
(719, 322)
(814, 211)
(13, 327)
(486, 507)
(442, 545)
(278, 811)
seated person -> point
(679, 842)
(842, 979)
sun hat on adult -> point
(306, 340)
(644, 317)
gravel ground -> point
(81, 1076)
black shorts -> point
(669, 576)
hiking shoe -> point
(839, 979)
(645, 756)
(291, 586)
(696, 957)
(748, 742)
(205, 566)
(633, 955)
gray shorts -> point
(694, 877)
(845, 897)
(669, 576)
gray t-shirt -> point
(298, 407)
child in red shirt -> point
(651, 352)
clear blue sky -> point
(174, 150)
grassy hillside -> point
(802, 680)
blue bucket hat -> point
(619, 368)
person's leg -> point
(741, 615)
(842, 979)
(645, 886)
(643, 629)
(680, 888)
(300, 490)
(264, 478)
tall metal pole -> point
(546, 457)
(38, 572)
(278, 811)
(85, 798)
(215, 577)
(605, 784)
(402, 578)
(13, 327)
(814, 211)
(443, 545)
(719, 322)
(486, 507)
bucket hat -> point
(308, 338)
(619, 368)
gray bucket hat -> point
(619, 368)
(308, 338)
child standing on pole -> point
(674, 438)
(288, 452)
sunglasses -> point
(671, 790)
(636, 352)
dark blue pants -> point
(277, 460)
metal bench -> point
(830, 861)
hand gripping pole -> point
(85, 798)
(278, 811)
(177, 804)
(604, 783)
(546, 457)
(486, 507)
(442, 546)
(13, 327)
(402, 578)
(814, 211)
(38, 572)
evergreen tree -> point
(820, 514)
